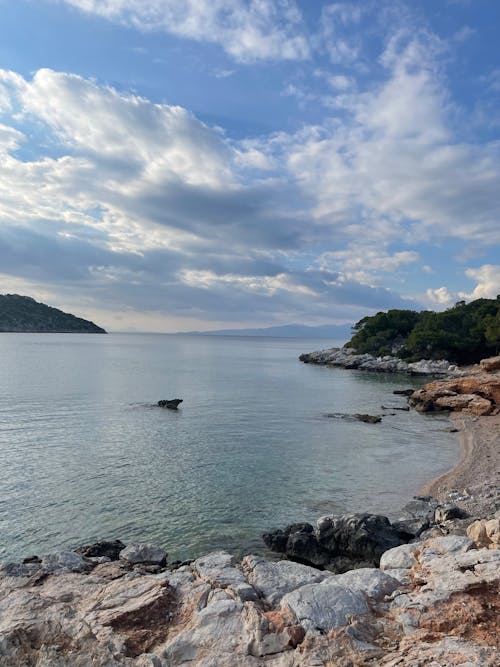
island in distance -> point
(22, 314)
(335, 331)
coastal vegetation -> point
(23, 314)
(464, 333)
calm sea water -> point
(86, 454)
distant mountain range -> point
(335, 331)
(22, 314)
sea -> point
(261, 440)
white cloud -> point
(440, 297)
(394, 158)
(246, 29)
(266, 285)
(363, 262)
(488, 282)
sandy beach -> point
(474, 482)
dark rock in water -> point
(405, 408)
(105, 548)
(362, 537)
(31, 559)
(417, 515)
(369, 419)
(172, 404)
(403, 392)
(299, 543)
(338, 543)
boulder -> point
(362, 537)
(217, 568)
(371, 581)
(105, 549)
(490, 365)
(338, 543)
(400, 558)
(474, 394)
(322, 607)
(144, 553)
(417, 515)
(485, 533)
(298, 542)
(171, 404)
(273, 580)
(65, 561)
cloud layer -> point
(248, 31)
(141, 207)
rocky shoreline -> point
(345, 357)
(424, 591)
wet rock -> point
(18, 569)
(368, 419)
(65, 561)
(403, 392)
(404, 408)
(171, 404)
(362, 537)
(104, 548)
(322, 607)
(299, 542)
(339, 543)
(144, 553)
(32, 559)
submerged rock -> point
(171, 404)
(103, 549)
(368, 419)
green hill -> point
(464, 334)
(25, 315)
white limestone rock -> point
(272, 580)
(217, 568)
(324, 606)
(370, 581)
(400, 558)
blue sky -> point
(170, 165)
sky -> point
(176, 165)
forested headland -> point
(22, 314)
(463, 334)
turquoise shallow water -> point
(86, 455)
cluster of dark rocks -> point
(344, 542)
